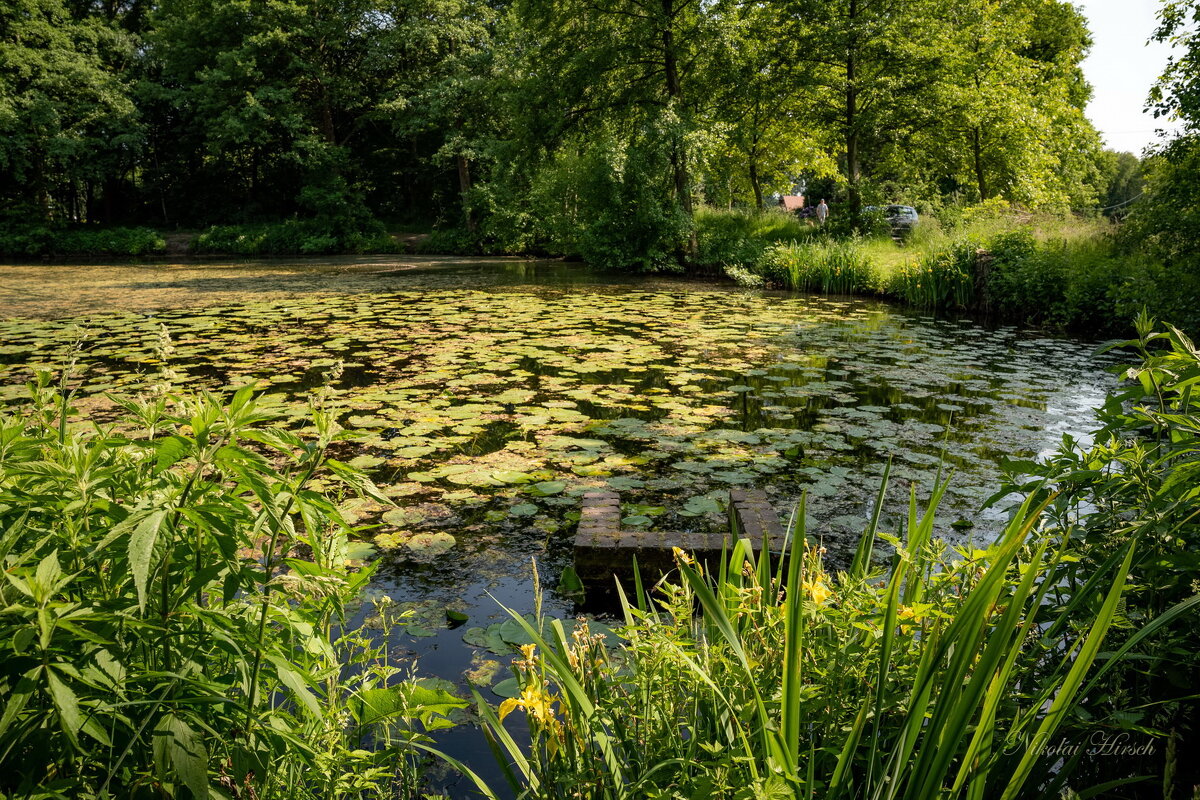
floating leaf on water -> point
(360, 551)
(569, 583)
(507, 688)
(511, 476)
(591, 471)
(483, 673)
(476, 637)
(403, 517)
(700, 504)
(430, 544)
(365, 461)
(637, 521)
(546, 488)
(523, 510)
(419, 631)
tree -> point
(1007, 113)
(67, 122)
(625, 71)
(762, 133)
(1167, 221)
(874, 64)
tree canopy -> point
(571, 126)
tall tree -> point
(67, 123)
(625, 66)
(762, 131)
(1167, 221)
(874, 63)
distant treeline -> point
(572, 126)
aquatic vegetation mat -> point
(486, 413)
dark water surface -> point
(491, 394)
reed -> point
(936, 676)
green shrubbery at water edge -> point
(1059, 273)
(24, 241)
(291, 237)
(174, 610)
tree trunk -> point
(852, 156)
(464, 185)
(754, 182)
(980, 178)
(683, 188)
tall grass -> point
(933, 678)
(1058, 271)
(940, 279)
(738, 238)
(828, 266)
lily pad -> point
(430, 544)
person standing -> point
(822, 212)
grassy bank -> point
(1059, 272)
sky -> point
(1121, 68)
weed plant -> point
(174, 588)
(1138, 480)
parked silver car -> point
(902, 219)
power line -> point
(1110, 208)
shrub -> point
(1136, 481)
(108, 241)
(174, 585)
(295, 237)
(740, 237)
(37, 240)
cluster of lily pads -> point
(483, 409)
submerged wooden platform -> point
(603, 548)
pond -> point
(490, 395)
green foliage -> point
(1138, 479)
(931, 679)
(34, 240)
(941, 279)
(830, 267)
(740, 237)
(294, 237)
(174, 587)
(66, 117)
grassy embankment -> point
(1061, 272)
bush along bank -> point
(1086, 286)
(39, 241)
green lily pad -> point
(430, 544)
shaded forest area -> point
(579, 128)
(531, 123)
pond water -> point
(491, 394)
